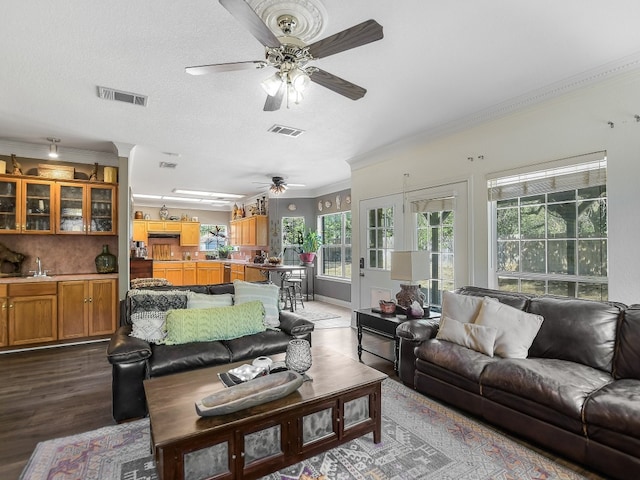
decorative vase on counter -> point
(164, 212)
(106, 262)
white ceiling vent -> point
(286, 131)
(168, 165)
(120, 96)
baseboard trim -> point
(333, 301)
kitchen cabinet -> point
(4, 317)
(250, 231)
(161, 226)
(237, 271)
(84, 208)
(189, 273)
(208, 273)
(26, 205)
(172, 271)
(32, 313)
(190, 234)
(139, 233)
(86, 308)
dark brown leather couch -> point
(577, 393)
(134, 360)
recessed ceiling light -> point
(144, 195)
(182, 199)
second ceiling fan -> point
(291, 58)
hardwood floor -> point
(62, 391)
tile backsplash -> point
(60, 254)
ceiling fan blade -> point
(274, 102)
(361, 34)
(251, 21)
(337, 84)
(225, 67)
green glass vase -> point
(106, 262)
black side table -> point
(383, 325)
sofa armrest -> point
(418, 330)
(126, 349)
(295, 325)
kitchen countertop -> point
(58, 278)
(229, 260)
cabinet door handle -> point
(90, 299)
(11, 306)
(86, 300)
(4, 306)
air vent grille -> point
(286, 131)
(168, 165)
(120, 96)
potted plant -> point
(310, 245)
(224, 251)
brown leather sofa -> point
(577, 393)
(134, 360)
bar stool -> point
(294, 285)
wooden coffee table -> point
(342, 402)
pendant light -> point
(53, 147)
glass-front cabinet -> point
(86, 209)
(26, 206)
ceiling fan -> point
(278, 185)
(291, 57)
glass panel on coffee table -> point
(317, 426)
(262, 444)
(207, 462)
(356, 411)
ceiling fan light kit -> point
(289, 54)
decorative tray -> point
(249, 394)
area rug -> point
(421, 439)
(322, 319)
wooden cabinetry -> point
(26, 206)
(208, 273)
(190, 234)
(189, 273)
(161, 226)
(86, 308)
(172, 271)
(32, 313)
(249, 231)
(139, 233)
(237, 271)
(85, 209)
(4, 317)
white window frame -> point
(346, 276)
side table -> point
(383, 325)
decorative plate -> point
(327, 203)
(291, 207)
(348, 199)
(320, 206)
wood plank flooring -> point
(62, 391)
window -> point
(292, 232)
(435, 231)
(550, 230)
(212, 237)
(381, 239)
(335, 252)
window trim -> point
(319, 274)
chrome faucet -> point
(39, 272)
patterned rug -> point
(321, 318)
(421, 439)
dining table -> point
(284, 272)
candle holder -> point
(298, 357)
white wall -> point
(573, 124)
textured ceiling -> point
(440, 65)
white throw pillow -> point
(149, 326)
(516, 329)
(267, 293)
(204, 300)
(463, 308)
(469, 335)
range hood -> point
(163, 235)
